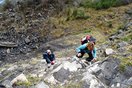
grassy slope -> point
(101, 24)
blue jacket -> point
(47, 56)
(83, 48)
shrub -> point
(102, 4)
(76, 13)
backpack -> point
(87, 39)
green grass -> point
(124, 63)
(86, 30)
(102, 4)
(76, 13)
(27, 84)
(127, 37)
(32, 81)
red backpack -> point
(87, 39)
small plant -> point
(122, 67)
(86, 30)
(27, 84)
(127, 38)
(34, 80)
(76, 13)
(124, 63)
(109, 24)
(74, 85)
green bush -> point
(76, 13)
(102, 4)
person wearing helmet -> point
(88, 48)
(49, 57)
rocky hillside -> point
(113, 70)
(25, 33)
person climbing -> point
(49, 57)
(88, 38)
(88, 48)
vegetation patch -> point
(73, 86)
(125, 62)
(27, 84)
(127, 37)
(76, 13)
(33, 80)
(101, 4)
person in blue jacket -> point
(88, 48)
(49, 57)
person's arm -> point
(53, 56)
(45, 56)
(94, 53)
(81, 47)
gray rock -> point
(8, 44)
(41, 85)
(62, 75)
(122, 44)
(113, 37)
(20, 78)
(129, 81)
(77, 2)
(7, 84)
(122, 49)
(128, 71)
(1, 13)
(109, 51)
(27, 41)
(120, 31)
(129, 12)
(108, 70)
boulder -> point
(41, 85)
(62, 75)
(122, 44)
(8, 44)
(20, 78)
(7, 84)
(109, 51)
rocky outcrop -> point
(101, 74)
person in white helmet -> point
(49, 57)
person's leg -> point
(46, 58)
(52, 57)
(90, 57)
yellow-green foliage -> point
(70, 85)
(27, 84)
(125, 62)
(102, 4)
(33, 80)
(127, 37)
(76, 13)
